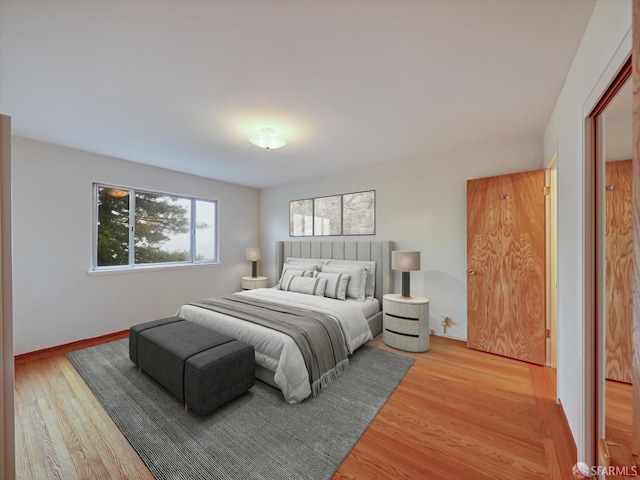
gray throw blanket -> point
(318, 336)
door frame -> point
(635, 446)
(551, 260)
(7, 382)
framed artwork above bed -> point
(359, 213)
(334, 215)
(327, 216)
(301, 218)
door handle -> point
(471, 272)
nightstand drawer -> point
(403, 310)
(405, 342)
(401, 325)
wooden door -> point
(619, 270)
(505, 265)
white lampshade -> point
(405, 260)
(268, 139)
(254, 254)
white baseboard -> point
(448, 336)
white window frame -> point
(132, 266)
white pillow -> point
(370, 268)
(302, 264)
(288, 271)
(310, 286)
(336, 284)
(357, 280)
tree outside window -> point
(166, 228)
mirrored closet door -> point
(617, 149)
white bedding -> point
(369, 307)
(277, 351)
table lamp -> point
(407, 262)
(254, 254)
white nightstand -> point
(249, 283)
(406, 322)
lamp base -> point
(254, 269)
(406, 284)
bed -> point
(279, 360)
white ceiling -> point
(182, 84)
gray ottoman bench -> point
(201, 367)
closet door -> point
(505, 265)
(619, 271)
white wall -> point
(56, 301)
(597, 58)
(420, 205)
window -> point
(140, 228)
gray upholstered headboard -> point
(379, 251)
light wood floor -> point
(461, 413)
(457, 414)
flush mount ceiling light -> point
(268, 139)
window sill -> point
(149, 268)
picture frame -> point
(301, 218)
(327, 216)
(359, 213)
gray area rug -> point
(256, 436)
